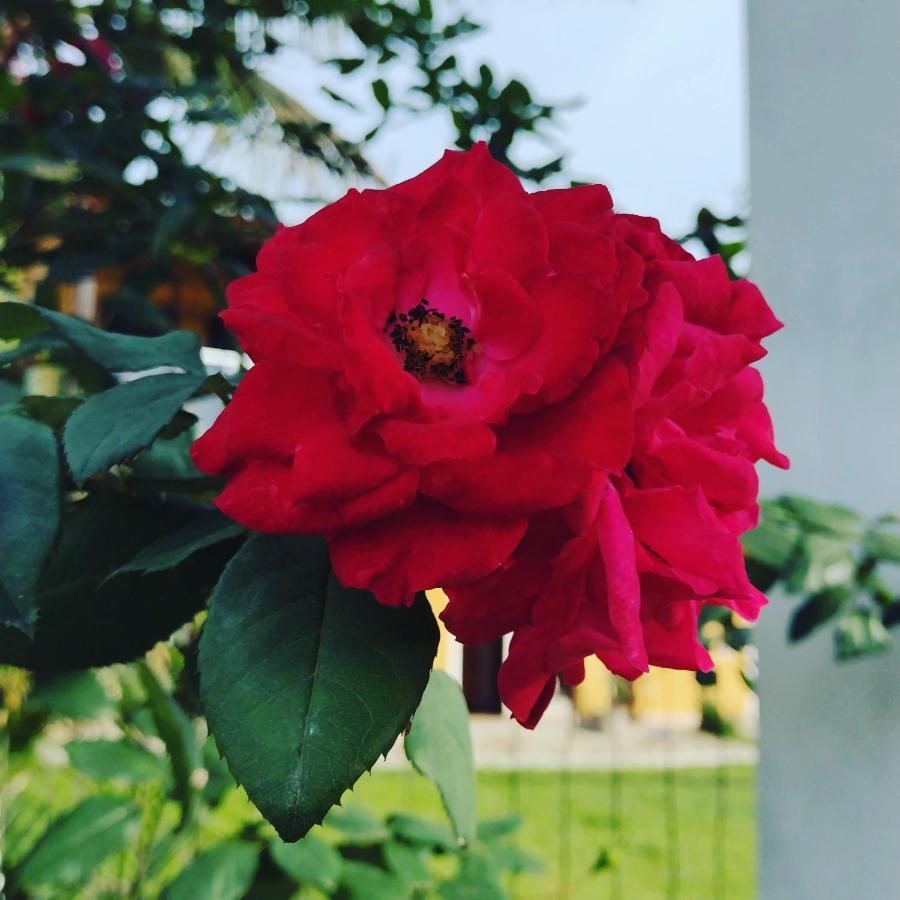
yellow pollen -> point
(433, 338)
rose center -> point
(432, 345)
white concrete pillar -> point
(825, 148)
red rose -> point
(542, 406)
(414, 349)
(623, 572)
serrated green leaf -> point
(114, 352)
(85, 620)
(114, 425)
(439, 745)
(29, 514)
(306, 683)
(823, 562)
(816, 611)
(172, 549)
(224, 872)
(77, 843)
(115, 761)
(309, 861)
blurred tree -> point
(100, 100)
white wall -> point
(825, 147)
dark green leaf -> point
(309, 861)
(78, 842)
(85, 620)
(113, 426)
(860, 633)
(115, 760)
(823, 562)
(224, 872)
(52, 411)
(381, 93)
(306, 683)
(171, 549)
(20, 321)
(817, 610)
(439, 745)
(29, 514)
(115, 352)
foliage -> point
(96, 804)
(842, 567)
(102, 103)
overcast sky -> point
(660, 86)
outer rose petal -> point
(681, 539)
(502, 601)
(589, 205)
(421, 547)
(526, 680)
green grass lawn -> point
(688, 833)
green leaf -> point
(52, 411)
(381, 93)
(115, 761)
(439, 745)
(823, 562)
(882, 545)
(21, 321)
(510, 858)
(306, 683)
(360, 826)
(78, 695)
(224, 872)
(474, 881)
(114, 352)
(495, 829)
(414, 830)
(43, 168)
(78, 842)
(309, 861)
(85, 620)
(29, 514)
(114, 425)
(816, 611)
(408, 865)
(177, 733)
(826, 518)
(860, 633)
(172, 549)
(361, 881)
